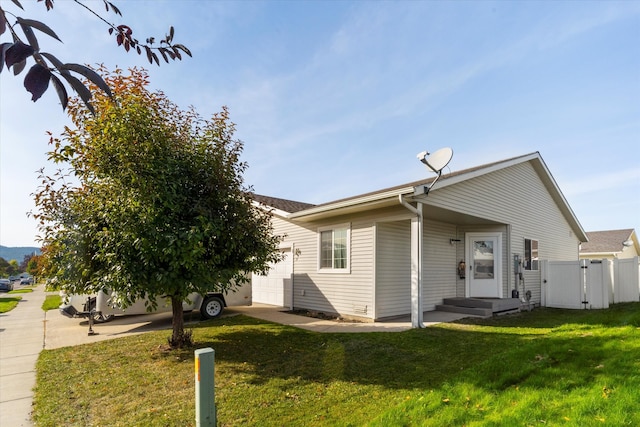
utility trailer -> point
(98, 308)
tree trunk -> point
(179, 338)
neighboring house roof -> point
(608, 241)
(285, 205)
(389, 196)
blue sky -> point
(336, 98)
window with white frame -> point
(530, 254)
(334, 249)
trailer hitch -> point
(89, 313)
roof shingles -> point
(606, 241)
(289, 206)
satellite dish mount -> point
(435, 162)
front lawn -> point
(547, 367)
(21, 291)
(8, 303)
(51, 302)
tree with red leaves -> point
(47, 68)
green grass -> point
(9, 303)
(547, 367)
(21, 291)
(51, 302)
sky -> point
(335, 98)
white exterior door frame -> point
(483, 251)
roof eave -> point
(600, 253)
(450, 180)
(389, 197)
(546, 176)
(275, 211)
(562, 202)
(348, 206)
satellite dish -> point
(438, 160)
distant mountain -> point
(17, 253)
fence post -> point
(608, 282)
(205, 388)
(544, 279)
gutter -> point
(359, 201)
(404, 203)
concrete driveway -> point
(61, 331)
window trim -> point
(531, 262)
(333, 228)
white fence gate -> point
(562, 284)
(590, 283)
(627, 276)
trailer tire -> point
(212, 307)
(98, 317)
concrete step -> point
(506, 305)
(512, 311)
(468, 302)
(476, 311)
(497, 305)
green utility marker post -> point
(205, 388)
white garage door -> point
(271, 289)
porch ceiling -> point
(430, 212)
(349, 207)
(451, 217)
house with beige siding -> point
(611, 244)
(478, 233)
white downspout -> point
(416, 262)
(374, 310)
(510, 268)
(293, 274)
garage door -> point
(271, 288)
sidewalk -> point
(21, 340)
(26, 330)
(279, 315)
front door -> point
(484, 269)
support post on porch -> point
(416, 262)
(416, 269)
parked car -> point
(6, 285)
(26, 281)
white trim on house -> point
(275, 211)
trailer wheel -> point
(211, 307)
(98, 317)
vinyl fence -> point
(590, 283)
